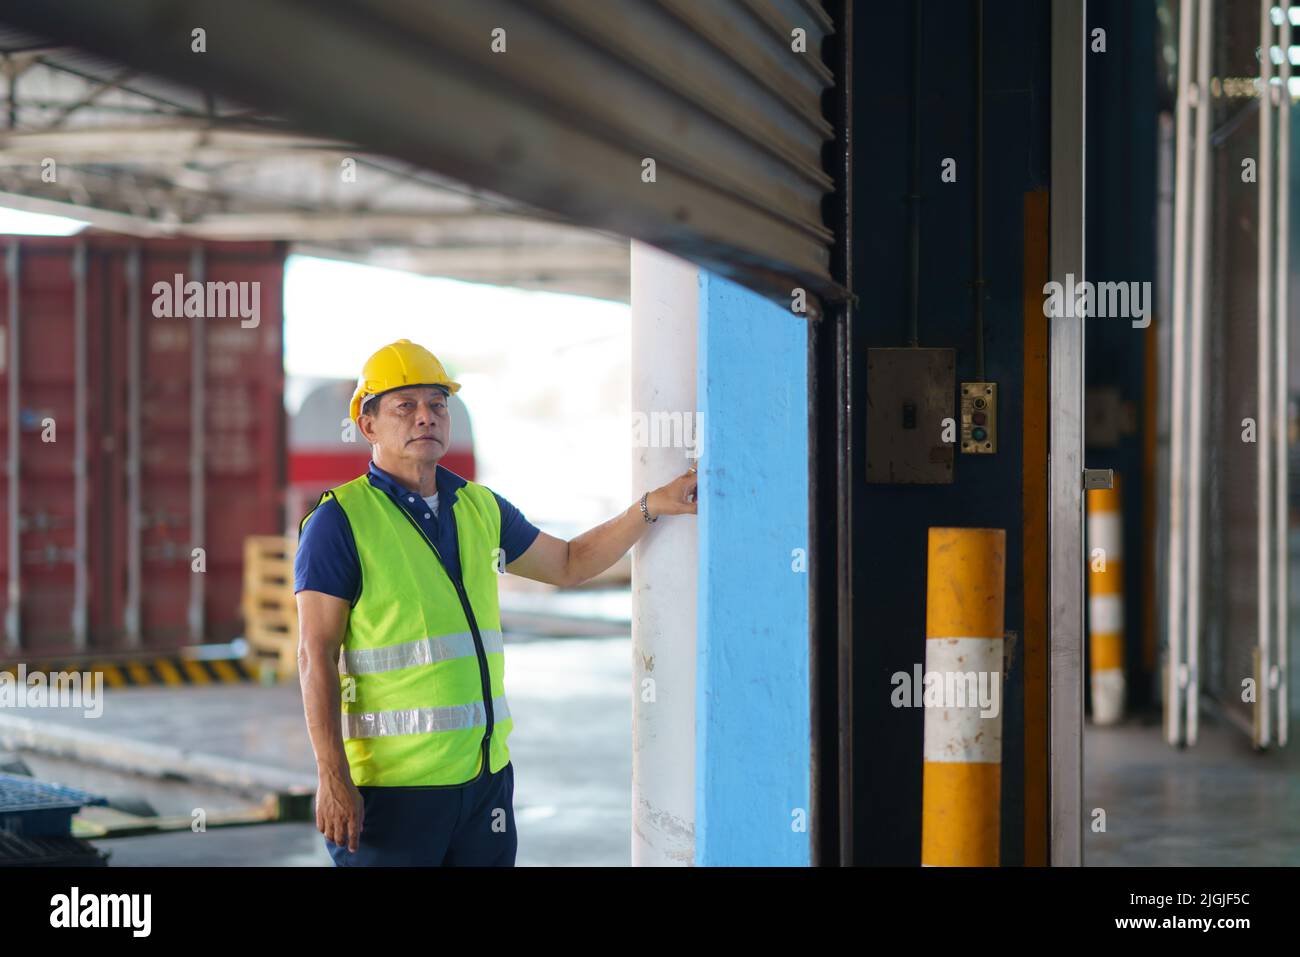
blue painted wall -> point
(752, 718)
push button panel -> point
(979, 417)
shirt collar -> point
(448, 483)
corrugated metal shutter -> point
(562, 119)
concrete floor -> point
(1217, 804)
(571, 747)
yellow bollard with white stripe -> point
(964, 618)
(1106, 604)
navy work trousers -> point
(431, 827)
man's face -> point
(412, 424)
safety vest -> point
(422, 665)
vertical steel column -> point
(81, 497)
(1065, 435)
(1196, 371)
(830, 571)
(846, 339)
(198, 425)
(13, 611)
(1158, 498)
(847, 488)
(1188, 96)
(1277, 679)
(1264, 381)
(134, 389)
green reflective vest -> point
(422, 665)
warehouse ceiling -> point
(81, 136)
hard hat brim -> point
(362, 396)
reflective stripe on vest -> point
(422, 720)
(414, 709)
(425, 651)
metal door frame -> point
(1065, 438)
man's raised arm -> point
(557, 562)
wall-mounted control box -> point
(979, 417)
(910, 434)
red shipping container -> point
(145, 445)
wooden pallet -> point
(270, 611)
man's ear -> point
(365, 425)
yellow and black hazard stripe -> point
(168, 670)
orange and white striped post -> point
(964, 618)
(1106, 603)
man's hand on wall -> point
(675, 498)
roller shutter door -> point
(562, 118)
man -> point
(400, 652)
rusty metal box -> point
(911, 428)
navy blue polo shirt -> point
(327, 559)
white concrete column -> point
(665, 306)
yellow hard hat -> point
(396, 365)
